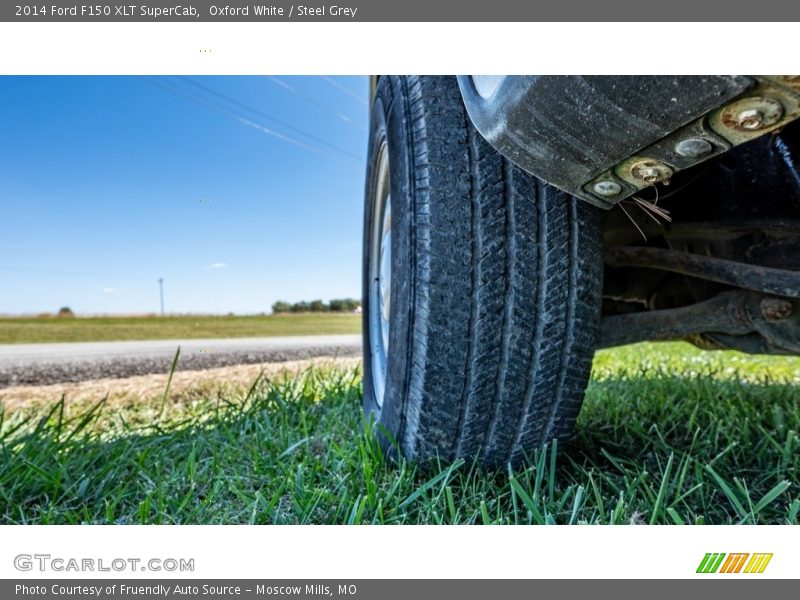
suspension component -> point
(732, 313)
(780, 282)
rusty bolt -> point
(651, 171)
(649, 174)
(607, 188)
(752, 118)
(753, 113)
(775, 309)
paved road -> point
(29, 364)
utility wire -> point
(345, 90)
(313, 101)
(202, 101)
(264, 115)
(196, 98)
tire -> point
(494, 291)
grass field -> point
(668, 434)
(101, 329)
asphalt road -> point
(41, 364)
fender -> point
(604, 138)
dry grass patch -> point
(139, 399)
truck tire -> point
(481, 287)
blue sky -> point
(238, 191)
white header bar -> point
(537, 552)
(419, 48)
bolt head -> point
(693, 147)
(649, 174)
(753, 113)
(651, 171)
(751, 119)
(607, 188)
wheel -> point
(482, 287)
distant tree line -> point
(336, 305)
(65, 312)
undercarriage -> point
(713, 257)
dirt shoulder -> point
(185, 386)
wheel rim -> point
(380, 277)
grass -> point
(97, 329)
(668, 434)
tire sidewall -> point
(389, 122)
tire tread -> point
(506, 288)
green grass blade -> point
(169, 382)
(662, 491)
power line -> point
(264, 115)
(196, 98)
(345, 90)
(313, 101)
